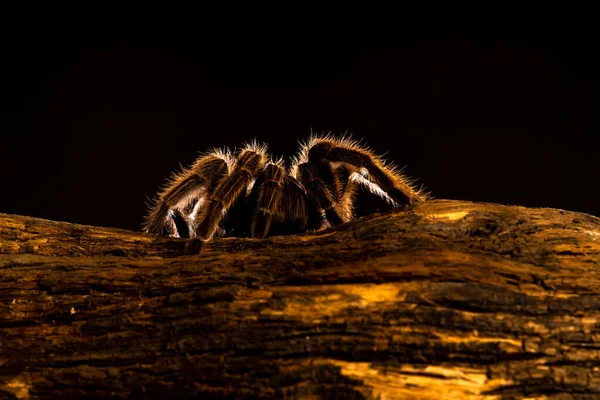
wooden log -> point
(441, 300)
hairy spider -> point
(252, 194)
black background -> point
(96, 114)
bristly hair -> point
(310, 193)
(176, 176)
(346, 141)
(223, 153)
(181, 187)
(279, 161)
(257, 147)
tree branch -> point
(446, 299)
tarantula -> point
(318, 190)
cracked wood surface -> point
(443, 300)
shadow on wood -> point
(443, 300)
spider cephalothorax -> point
(252, 194)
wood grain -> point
(442, 300)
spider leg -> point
(322, 188)
(293, 203)
(184, 188)
(270, 186)
(244, 171)
(347, 190)
(372, 167)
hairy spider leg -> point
(347, 190)
(293, 207)
(270, 189)
(318, 181)
(244, 171)
(398, 187)
(183, 188)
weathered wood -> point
(444, 300)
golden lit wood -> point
(444, 300)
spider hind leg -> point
(361, 160)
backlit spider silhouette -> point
(254, 195)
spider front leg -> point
(168, 209)
(246, 168)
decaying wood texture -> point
(443, 300)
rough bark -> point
(443, 300)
